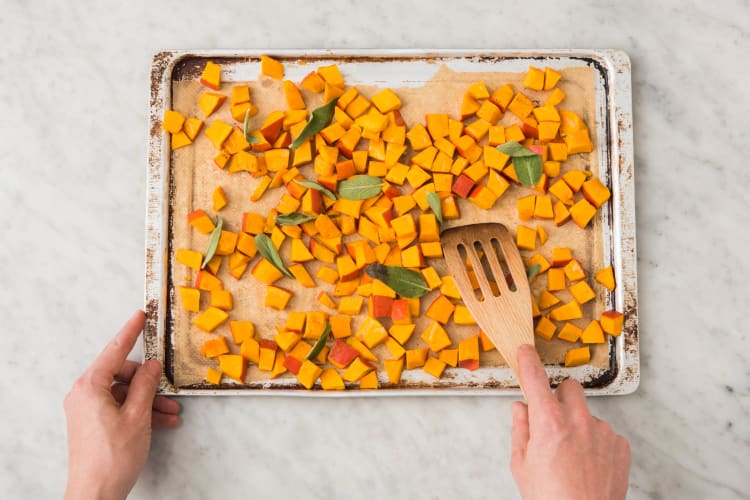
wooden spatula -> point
(502, 311)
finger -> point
(166, 405)
(126, 371)
(533, 378)
(114, 354)
(143, 387)
(161, 420)
(120, 393)
(520, 431)
(570, 394)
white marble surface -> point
(73, 93)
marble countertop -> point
(73, 137)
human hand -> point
(110, 411)
(559, 449)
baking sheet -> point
(190, 178)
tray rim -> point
(623, 242)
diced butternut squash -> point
(416, 358)
(611, 322)
(210, 319)
(468, 353)
(568, 311)
(577, 357)
(241, 331)
(593, 333)
(308, 374)
(434, 367)
(394, 368)
(545, 328)
(436, 337)
(214, 347)
(606, 277)
(233, 366)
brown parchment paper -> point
(196, 177)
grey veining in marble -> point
(73, 95)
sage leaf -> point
(269, 252)
(532, 271)
(319, 120)
(213, 242)
(318, 187)
(434, 201)
(320, 343)
(514, 149)
(293, 219)
(528, 169)
(405, 282)
(360, 187)
(250, 139)
(526, 163)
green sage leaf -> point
(360, 187)
(514, 149)
(405, 282)
(434, 201)
(213, 242)
(528, 169)
(319, 120)
(251, 139)
(318, 187)
(269, 252)
(320, 343)
(293, 219)
(532, 271)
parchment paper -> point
(196, 176)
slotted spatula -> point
(504, 314)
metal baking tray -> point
(615, 143)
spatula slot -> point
(470, 270)
(507, 275)
(488, 267)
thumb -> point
(143, 388)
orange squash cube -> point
(233, 366)
(214, 347)
(266, 272)
(468, 353)
(436, 337)
(434, 367)
(449, 357)
(545, 328)
(582, 212)
(568, 311)
(271, 67)
(606, 277)
(611, 322)
(191, 298)
(596, 192)
(416, 358)
(210, 319)
(526, 238)
(211, 76)
(534, 79)
(394, 368)
(440, 310)
(578, 356)
(593, 333)
(308, 374)
(221, 299)
(277, 297)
